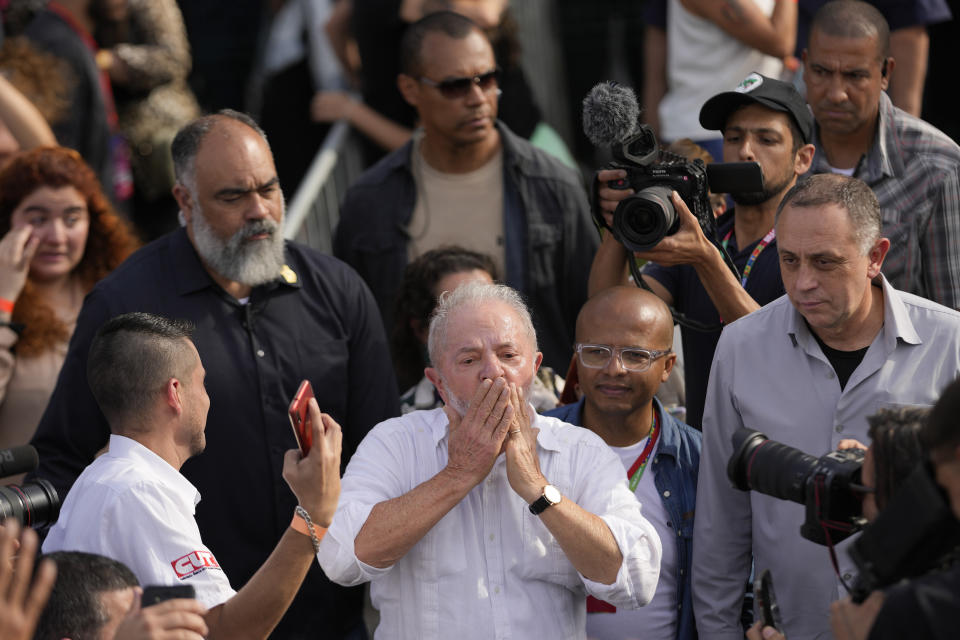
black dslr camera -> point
(645, 218)
(912, 535)
(829, 487)
(34, 504)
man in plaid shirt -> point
(913, 168)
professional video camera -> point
(642, 220)
(829, 487)
(912, 534)
(35, 504)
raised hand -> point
(523, 463)
(609, 197)
(687, 246)
(476, 439)
(17, 249)
(315, 478)
(20, 601)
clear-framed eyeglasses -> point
(597, 356)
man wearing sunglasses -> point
(466, 179)
(624, 352)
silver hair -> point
(851, 194)
(474, 294)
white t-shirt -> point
(132, 506)
(702, 61)
(657, 620)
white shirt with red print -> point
(132, 506)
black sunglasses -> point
(459, 87)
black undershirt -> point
(844, 363)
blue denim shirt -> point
(675, 475)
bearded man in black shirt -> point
(268, 314)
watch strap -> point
(541, 504)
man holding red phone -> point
(133, 505)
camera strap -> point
(757, 250)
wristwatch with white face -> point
(551, 496)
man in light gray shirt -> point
(806, 370)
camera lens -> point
(769, 467)
(644, 219)
(35, 504)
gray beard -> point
(249, 263)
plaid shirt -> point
(915, 171)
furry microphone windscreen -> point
(610, 114)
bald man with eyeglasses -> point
(624, 353)
(466, 179)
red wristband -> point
(6, 305)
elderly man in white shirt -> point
(133, 505)
(483, 519)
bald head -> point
(625, 338)
(635, 310)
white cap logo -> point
(749, 83)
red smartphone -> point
(300, 417)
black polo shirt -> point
(321, 324)
(689, 297)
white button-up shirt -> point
(769, 374)
(132, 506)
(489, 568)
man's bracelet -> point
(303, 524)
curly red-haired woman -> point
(59, 237)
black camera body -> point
(828, 487)
(912, 536)
(647, 216)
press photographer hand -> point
(850, 621)
(687, 246)
(765, 633)
(609, 197)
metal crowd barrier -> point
(315, 209)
